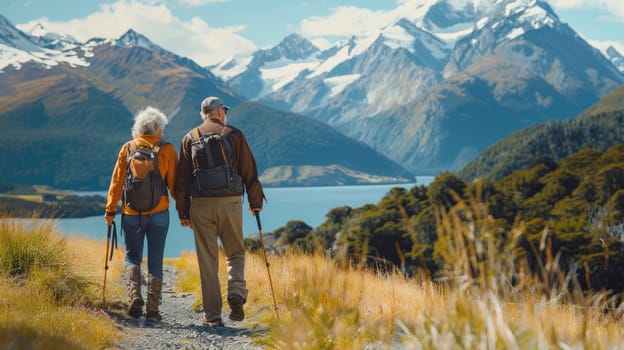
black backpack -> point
(213, 170)
(143, 185)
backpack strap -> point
(225, 159)
(131, 146)
(195, 135)
(157, 146)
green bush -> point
(33, 253)
(28, 245)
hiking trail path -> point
(181, 327)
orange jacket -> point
(167, 164)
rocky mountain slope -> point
(66, 107)
(435, 86)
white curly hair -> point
(146, 121)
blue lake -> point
(308, 204)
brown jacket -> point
(244, 165)
(167, 160)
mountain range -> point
(434, 88)
(429, 91)
(66, 108)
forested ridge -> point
(600, 126)
(568, 213)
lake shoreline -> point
(284, 204)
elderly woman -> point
(145, 210)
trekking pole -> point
(257, 214)
(111, 231)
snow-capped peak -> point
(15, 38)
(17, 48)
(615, 57)
(37, 30)
(295, 46)
(132, 38)
(49, 40)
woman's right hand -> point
(109, 219)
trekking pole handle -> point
(112, 234)
(257, 214)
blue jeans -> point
(154, 227)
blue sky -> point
(209, 31)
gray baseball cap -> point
(212, 103)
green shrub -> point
(34, 253)
(27, 245)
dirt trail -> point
(181, 327)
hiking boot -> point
(215, 323)
(236, 304)
(133, 285)
(154, 288)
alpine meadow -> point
(516, 243)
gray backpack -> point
(213, 169)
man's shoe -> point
(136, 308)
(236, 304)
(215, 323)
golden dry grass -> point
(50, 288)
(325, 305)
(87, 257)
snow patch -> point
(537, 17)
(453, 33)
(339, 83)
(482, 22)
(455, 36)
(281, 72)
(514, 8)
(10, 56)
(345, 53)
(231, 68)
(514, 33)
(397, 37)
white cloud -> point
(194, 38)
(344, 21)
(321, 43)
(199, 2)
(615, 7)
(604, 45)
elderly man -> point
(215, 167)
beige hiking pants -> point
(222, 218)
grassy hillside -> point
(49, 292)
(45, 202)
(70, 147)
(325, 305)
(600, 127)
(68, 136)
(51, 289)
(612, 102)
